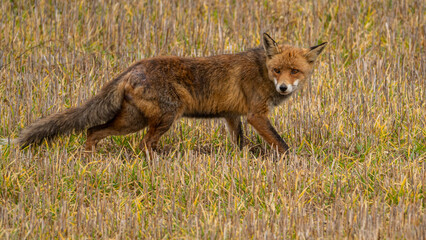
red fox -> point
(155, 92)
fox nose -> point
(283, 88)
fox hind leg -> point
(128, 120)
(156, 128)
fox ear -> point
(271, 47)
(314, 51)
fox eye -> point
(294, 71)
(277, 70)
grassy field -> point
(357, 130)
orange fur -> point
(155, 92)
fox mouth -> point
(286, 89)
(285, 93)
(290, 90)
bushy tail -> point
(101, 108)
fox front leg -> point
(235, 130)
(261, 123)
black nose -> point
(283, 88)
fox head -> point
(288, 66)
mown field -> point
(357, 131)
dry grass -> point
(357, 169)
